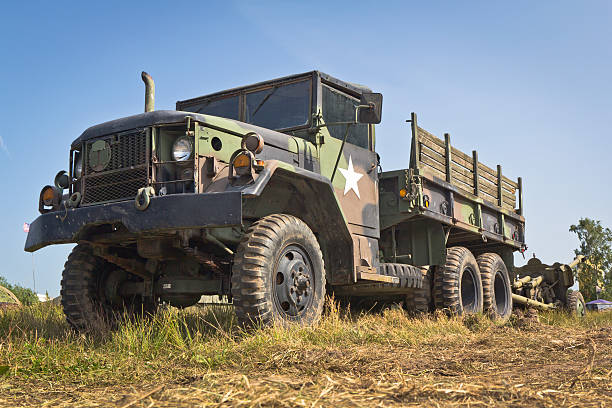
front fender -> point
(282, 188)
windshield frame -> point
(243, 92)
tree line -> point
(594, 275)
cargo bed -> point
(475, 206)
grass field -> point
(199, 357)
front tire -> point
(82, 299)
(278, 274)
(497, 292)
(85, 292)
(457, 284)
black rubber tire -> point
(420, 300)
(80, 290)
(82, 294)
(576, 304)
(254, 271)
(457, 284)
(496, 287)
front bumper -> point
(169, 212)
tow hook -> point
(74, 200)
(143, 198)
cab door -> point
(355, 182)
(355, 178)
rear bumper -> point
(164, 213)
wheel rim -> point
(500, 291)
(293, 281)
(580, 308)
(469, 291)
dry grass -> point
(200, 358)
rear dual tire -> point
(497, 292)
(457, 284)
(468, 285)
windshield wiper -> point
(201, 108)
(265, 99)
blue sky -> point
(527, 84)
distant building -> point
(599, 304)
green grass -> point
(36, 342)
(38, 347)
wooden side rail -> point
(442, 160)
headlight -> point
(78, 166)
(181, 149)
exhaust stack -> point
(149, 92)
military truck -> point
(272, 194)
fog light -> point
(61, 180)
(242, 160)
(253, 142)
(47, 195)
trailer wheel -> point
(86, 283)
(457, 284)
(278, 274)
(575, 304)
(497, 292)
(420, 300)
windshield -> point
(281, 107)
(226, 108)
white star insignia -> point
(351, 177)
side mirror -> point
(370, 108)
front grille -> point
(123, 184)
(125, 173)
(127, 150)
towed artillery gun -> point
(272, 194)
(547, 286)
(8, 300)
